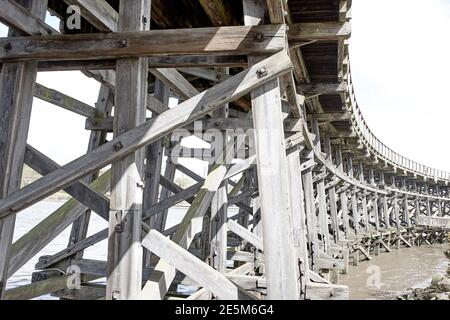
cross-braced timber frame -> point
(314, 187)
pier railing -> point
(382, 151)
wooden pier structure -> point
(312, 187)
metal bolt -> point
(262, 72)
(259, 37)
(8, 46)
(144, 19)
(118, 146)
(123, 43)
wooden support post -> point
(365, 217)
(320, 186)
(354, 201)
(219, 208)
(152, 171)
(124, 249)
(332, 195)
(298, 217)
(96, 139)
(273, 180)
(17, 83)
(343, 195)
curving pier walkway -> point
(269, 80)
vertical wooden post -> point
(124, 248)
(386, 218)
(152, 172)
(343, 195)
(96, 139)
(363, 199)
(375, 212)
(298, 215)
(17, 83)
(354, 200)
(332, 195)
(273, 179)
(219, 209)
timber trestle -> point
(297, 186)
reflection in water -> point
(390, 274)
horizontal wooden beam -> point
(319, 31)
(264, 39)
(322, 88)
(40, 288)
(331, 116)
(177, 117)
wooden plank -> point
(40, 288)
(81, 225)
(219, 12)
(156, 287)
(176, 82)
(245, 234)
(80, 190)
(203, 41)
(319, 31)
(322, 88)
(320, 291)
(152, 130)
(193, 267)
(124, 265)
(64, 101)
(48, 229)
(17, 82)
(71, 250)
(19, 18)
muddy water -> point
(390, 274)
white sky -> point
(399, 53)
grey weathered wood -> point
(152, 130)
(48, 229)
(204, 41)
(124, 280)
(80, 226)
(17, 82)
(245, 234)
(80, 190)
(193, 267)
(273, 182)
(73, 249)
(319, 31)
(64, 101)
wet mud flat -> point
(390, 275)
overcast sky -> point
(399, 54)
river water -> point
(30, 217)
(385, 277)
(389, 275)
